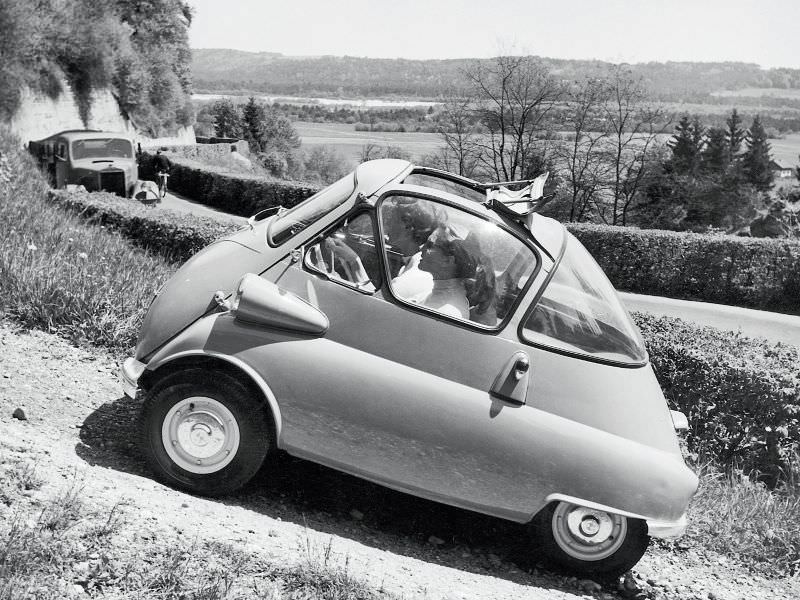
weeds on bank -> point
(58, 547)
(744, 520)
(62, 274)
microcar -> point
(428, 333)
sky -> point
(766, 32)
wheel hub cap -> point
(586, 533)
(200, 435)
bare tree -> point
(457, 128)
(635, 125)
(584, 157)
(513, 96)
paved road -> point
(775, 327)
(753, 323)
(179, 203)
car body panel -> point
(402, 396)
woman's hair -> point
(445, 239)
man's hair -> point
(421, 217)
(451, 244)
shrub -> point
(758, 273)
(177, 236)
(238, 194)
(742, 396)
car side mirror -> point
(261, 302)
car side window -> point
(347, 254)
(453, 262)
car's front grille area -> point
(113, 181)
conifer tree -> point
(686, 146)
(254, 131)
(735, 134)
(715, 157)
(756, 158)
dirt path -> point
(79, 424)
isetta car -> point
(428, 333)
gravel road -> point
(79, 422)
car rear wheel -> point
(590, 541)
(204, 434)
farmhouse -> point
(779, 171)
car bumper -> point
(666, 529)
(130, 372)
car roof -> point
(86, 134)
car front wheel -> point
(204, 434)
(590, 541)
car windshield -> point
(310, 210)
(102, 148)
(580, 312)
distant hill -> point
(347, 76)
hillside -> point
(269, 72)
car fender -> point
(194, 342)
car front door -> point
(403, 389)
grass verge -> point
(62, 274)
(55, 547)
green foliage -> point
(323, 164)
(757, 158)
(227, 119)
(61, 274)
(139, 50)
(238, 194)
(742, 396)
(176, 236)
(756, 273)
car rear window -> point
(310, 210)
(579, 312)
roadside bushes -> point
(174, 235)
(239, 194)
(757, 273)
(742, 396)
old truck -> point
(97, 160)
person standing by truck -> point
(163, 166)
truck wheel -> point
(204, 433)
(589, 541)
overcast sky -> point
(765, 32)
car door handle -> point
(511, 383)
(521, 367)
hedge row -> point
(235, 193)
(742, 396)
(755, 273)
(174, 235)
(752, 272)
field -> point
(794, 94)
(349, 142)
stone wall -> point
(39, 117)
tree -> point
(756, 158)
(735, 134)
(634, 125)
(254, 122)
(586, 167)
(457, 129)
(513, 95)
(715, 157)
(686, 147)
(227, 119)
